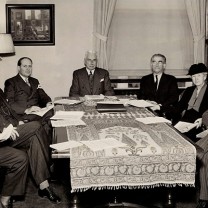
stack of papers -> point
(151, 120)
(185, 126)
(67, 102)
(140, 103)
(67, 118)
(94, 97)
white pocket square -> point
(102, 80)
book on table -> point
(105, 107)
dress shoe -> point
(202, 204)
(48, 193)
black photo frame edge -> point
(51, 8)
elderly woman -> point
(194, 100)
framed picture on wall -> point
(31, 24)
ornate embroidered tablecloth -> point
(154, 155)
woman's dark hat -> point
(197, 68)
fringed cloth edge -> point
(131, 187)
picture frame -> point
(31, 24)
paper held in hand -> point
(185, 126)
(41, 112)
(6, 133)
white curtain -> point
(103, 14)
(196, 10)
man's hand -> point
(198, 122)
(155, 107)
(14, 134)
(21, 122)
(32, 109)
(49, 104)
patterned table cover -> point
(155, 155)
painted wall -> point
(54, 65)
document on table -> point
(156, 119)
(140, 103)
(65, 145)
(67, 122)
(42, 111)
(94, 97)
(6, 133)
(67, 102)
(185, 126)
(63, 115)
(202, 134)
(120, 101)
(100, 144)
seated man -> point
(26, 144)
(159, 87)
(90, 80)
(193, 102)
(24, 93)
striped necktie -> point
(91, 81)
(27, 82)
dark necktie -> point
(156, 82)
(91, 81)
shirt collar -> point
(88, 71)
(158, 76)
(24, 78)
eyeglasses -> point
(159, 63)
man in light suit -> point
(158, 87)
(90, 80)
(24, 93)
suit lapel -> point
(162, 82)
(85, 79)
(33, 87)
(23, 85)
(96, 81)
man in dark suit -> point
(24, 93)
(159, 87)
(90, 80)
(27, 143)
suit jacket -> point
(183, 104)
(81, 87)
(20, 96)
(205, 118)
(7, 115)
(166, 94)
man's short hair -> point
(160, 55)
(20, 60)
